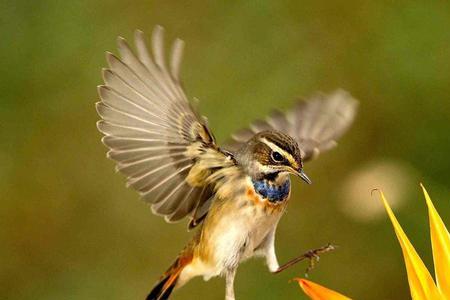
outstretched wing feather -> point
(152, 131)
(316, 124)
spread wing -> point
(152, 131)
(315, 124)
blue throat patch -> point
(274, 193)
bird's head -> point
(269, 153)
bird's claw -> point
(314, 256)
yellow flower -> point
(440, 241)
(421, 283)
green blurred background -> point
(69, 229)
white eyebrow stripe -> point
(274, 147)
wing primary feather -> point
(166, 179)
(105, 111)
(107, 128)
(122, 165)
(107, 93)
(116, 82)
(172, 163)
(155, 148)
(158, 46)
(160, 67)
(144, 56)
(164, 111)
(161, 202)
(113, 115)
(142, 50)
(175, 61)
(109, 138)
(158, 54)
(136, 65)
(176, 108)
(124, 71)
(144, 73)
(180, 211)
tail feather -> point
(163, 289)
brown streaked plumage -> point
(169, 155)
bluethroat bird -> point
(235, 194)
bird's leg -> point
(229, 289)
(312, 255)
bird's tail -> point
(165, 286)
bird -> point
(234, 194)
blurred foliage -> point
(69, 229)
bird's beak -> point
(303, 176)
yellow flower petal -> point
(440, 241)
(421, 283)
(318, 292)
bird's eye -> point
(276, 156)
